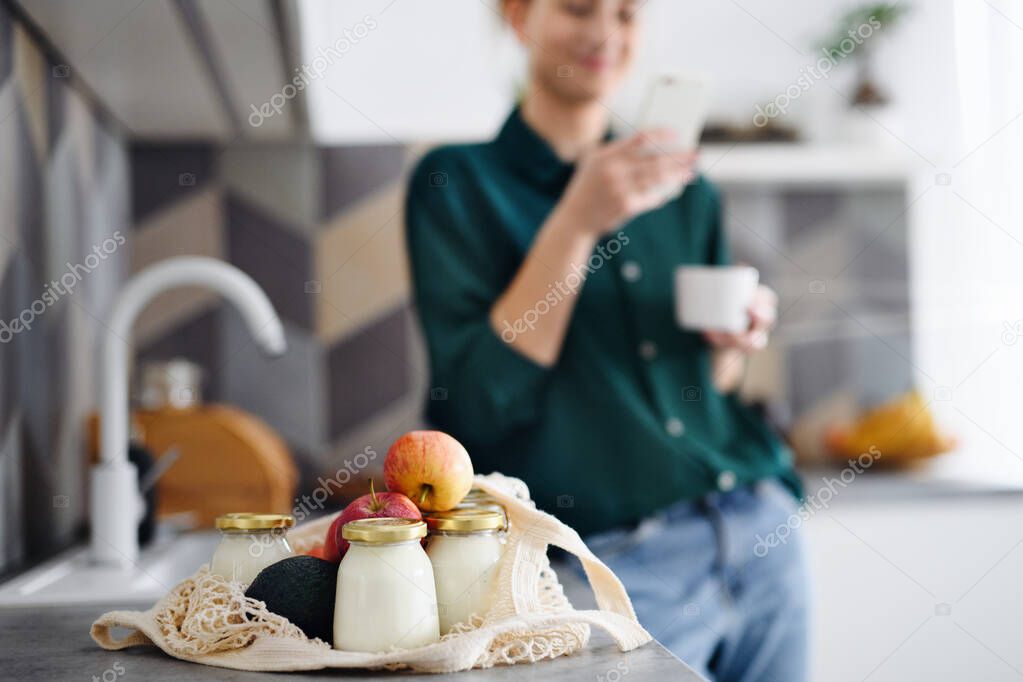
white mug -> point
(714, 297)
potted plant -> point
(855, 38)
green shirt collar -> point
(529, 154)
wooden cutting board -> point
(229, 461)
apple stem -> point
(373, 494)
(422, 495)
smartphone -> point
(678, 102)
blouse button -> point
(726, 481)
(674, 427)
(631, 271)
(648, 350)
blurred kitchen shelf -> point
(836, 328)
(843, 289)
(952, 474)
(813, 165)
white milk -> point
(464, 568)
(385, 598)
(249, 543)
(242, 555)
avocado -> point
(300, 588)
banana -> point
(903, 430)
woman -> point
(542, 263)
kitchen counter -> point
(53, 643)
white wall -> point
(961, 116)
(449, 70)
(438, 70)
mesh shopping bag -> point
(209, 620)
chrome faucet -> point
(115, 504)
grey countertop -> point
(53, 643)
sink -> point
(72, 578)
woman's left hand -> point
(763, 313)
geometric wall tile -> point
(368, 371)
(162, 173)
(288, 392)
(52, 463)
(56, 76)
(51, 213)
(341, 287)
(379, 430)
(30, 74)
(108, 212)
(361, 264)
(879, 221)
(104, 152)
(9, 370)
(9, 196)
(817, 370)
(64, 208)
(351, 172)
(80, 124)
(12, 299)
(113, 165)
(282, 180)
(12, 495)
(807, 210)
(193, 226)
(278, 258)
(16, 299)
(43, 348)
(6, 30)
(31, 237)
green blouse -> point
(628, 420)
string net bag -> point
(206, 619)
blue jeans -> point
(718, 584)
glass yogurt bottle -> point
(385, 591)
(249, 543)
(464, 547)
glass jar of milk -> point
(249, 543)
(464, 548)
(385, 592)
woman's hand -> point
(624, 178)
(763, 313)
(611, 184)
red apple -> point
(371, 506)
(316, 551)
(431, 468)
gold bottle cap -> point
(467, 520)
(250, 521)
(383, 529)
